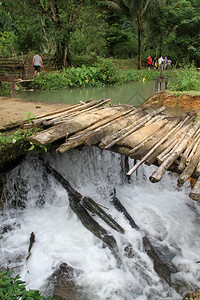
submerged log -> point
(32, 241)
(75, 201)
(162, 269)
(95, 208)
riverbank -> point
(175, 102)
(14, 109)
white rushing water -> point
(36, 202)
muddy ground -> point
(15, 109)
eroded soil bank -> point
(176, 103)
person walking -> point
(37, 63)
(149, 61)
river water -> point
(36, 202)
(133, 93)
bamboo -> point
(90, 108)
(159, 136)
(197, 141)
(152, 150)
(197, 171)
(188, 172)
(157, 175)
(130, 129)
(173, 142)
(195, 193)
(165, 153)
(153, 157)
(49, 121)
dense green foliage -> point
(117, 28)
(13, 288)
(102, 73)
(187, 79)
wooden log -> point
(78, 208)
(88, 107)
(197, 171)
(71, 126)
(32, 241)
(193, 151)
(95, 208)
(161, 141)
(187, 151)
(161, 268)
(162, 156)
(188, 172)
(195, 193)
(157, 175)
(143, 136)
(154, 156)
(115, 138)
(88, 133)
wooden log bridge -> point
(169, 142)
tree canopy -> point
(117, 28)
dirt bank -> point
(15, 109)
(176, 103)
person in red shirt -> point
(149, 61)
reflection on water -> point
(133, 93)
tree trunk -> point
(139, 24)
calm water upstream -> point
(133, 93)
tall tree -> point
(135, 11)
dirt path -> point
(15, 109)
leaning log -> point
(121, 134)
(195, 193)
(157, 175)
(161, 141)
(77, 203)
(92, 206)
(162, 269)
(187, 173)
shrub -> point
(187, 79)
(12, 288)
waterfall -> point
(36, 202)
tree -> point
(135, 11)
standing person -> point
(149, 61)
(160, 62)
(155, 63)
(37, 63)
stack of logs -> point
(170, 142)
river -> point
(36, 202)
(133, 93)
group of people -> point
(159, 64)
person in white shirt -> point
(160, 62)
(37, 63)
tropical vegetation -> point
(13, 288)
(119, 28)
